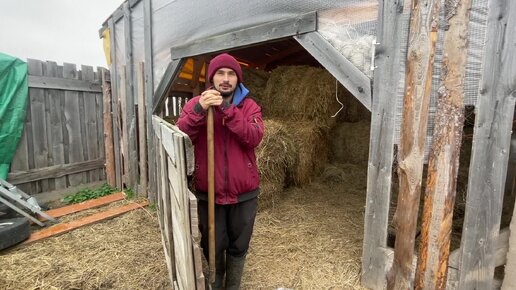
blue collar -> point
(240, 93)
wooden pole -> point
(108, 130)
(142, 132)
(418, 85)
(211, 194)
(443, 165)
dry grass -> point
(350, 142)
(122, 253)
(310, 239)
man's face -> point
(225, 81)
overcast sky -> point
(57, 30)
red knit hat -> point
(224, 61)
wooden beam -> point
(418, 86)
(381, 148)
(149, 93)
(502, 247)
(348, 75)
(55, 171)
(89, 204)
(142, 130)
(132, 153)
(443, 164)
(45, 82)
(173, 68)
(108, 130)
(248, 36)
(490, 151)
(94, 218)
(114, 106)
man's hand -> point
(210, 98)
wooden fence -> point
(177, 206)
(63, 140)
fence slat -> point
(39, 135)
(91, 120)
(55, 102)
(99, 105)
(73, 126)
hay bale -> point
(275, 154)
(256, 81)
(301, 93)
(309, 93)
(311, 151)
(353, 175)
(350, 142)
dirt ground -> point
(310, 239)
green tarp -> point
(13, 107)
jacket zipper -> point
(225, 165)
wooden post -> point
(443, 162)
(490, 152)
(211, 194)
(125, 129)
(108, 130)
(383, 114)
(418, 85)
(142, 132)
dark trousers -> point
(233, 229)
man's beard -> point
(226, 94)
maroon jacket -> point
(238, 129)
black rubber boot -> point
(234, 271)
(217, 285)
(219, 274)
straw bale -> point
(301, 93)
(121, 253)
(352, 175)
(255, 80)
(310, 142)
(350, 142)
(276, 152)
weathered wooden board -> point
(39, 133)
(52, 82)
(142, 131)
(348, 74)
(490, 151)
(54, 171)
(90, 120)
(381, 148)
(73, 141)
(56, 108)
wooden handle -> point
(211, 195)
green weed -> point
(87, 194)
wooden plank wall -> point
(490, 151)
(63, 139)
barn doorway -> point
(313, 165)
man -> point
(238, 129)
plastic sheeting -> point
(13, 108)
(348, 25)
(183, 21)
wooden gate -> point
(177, 206)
